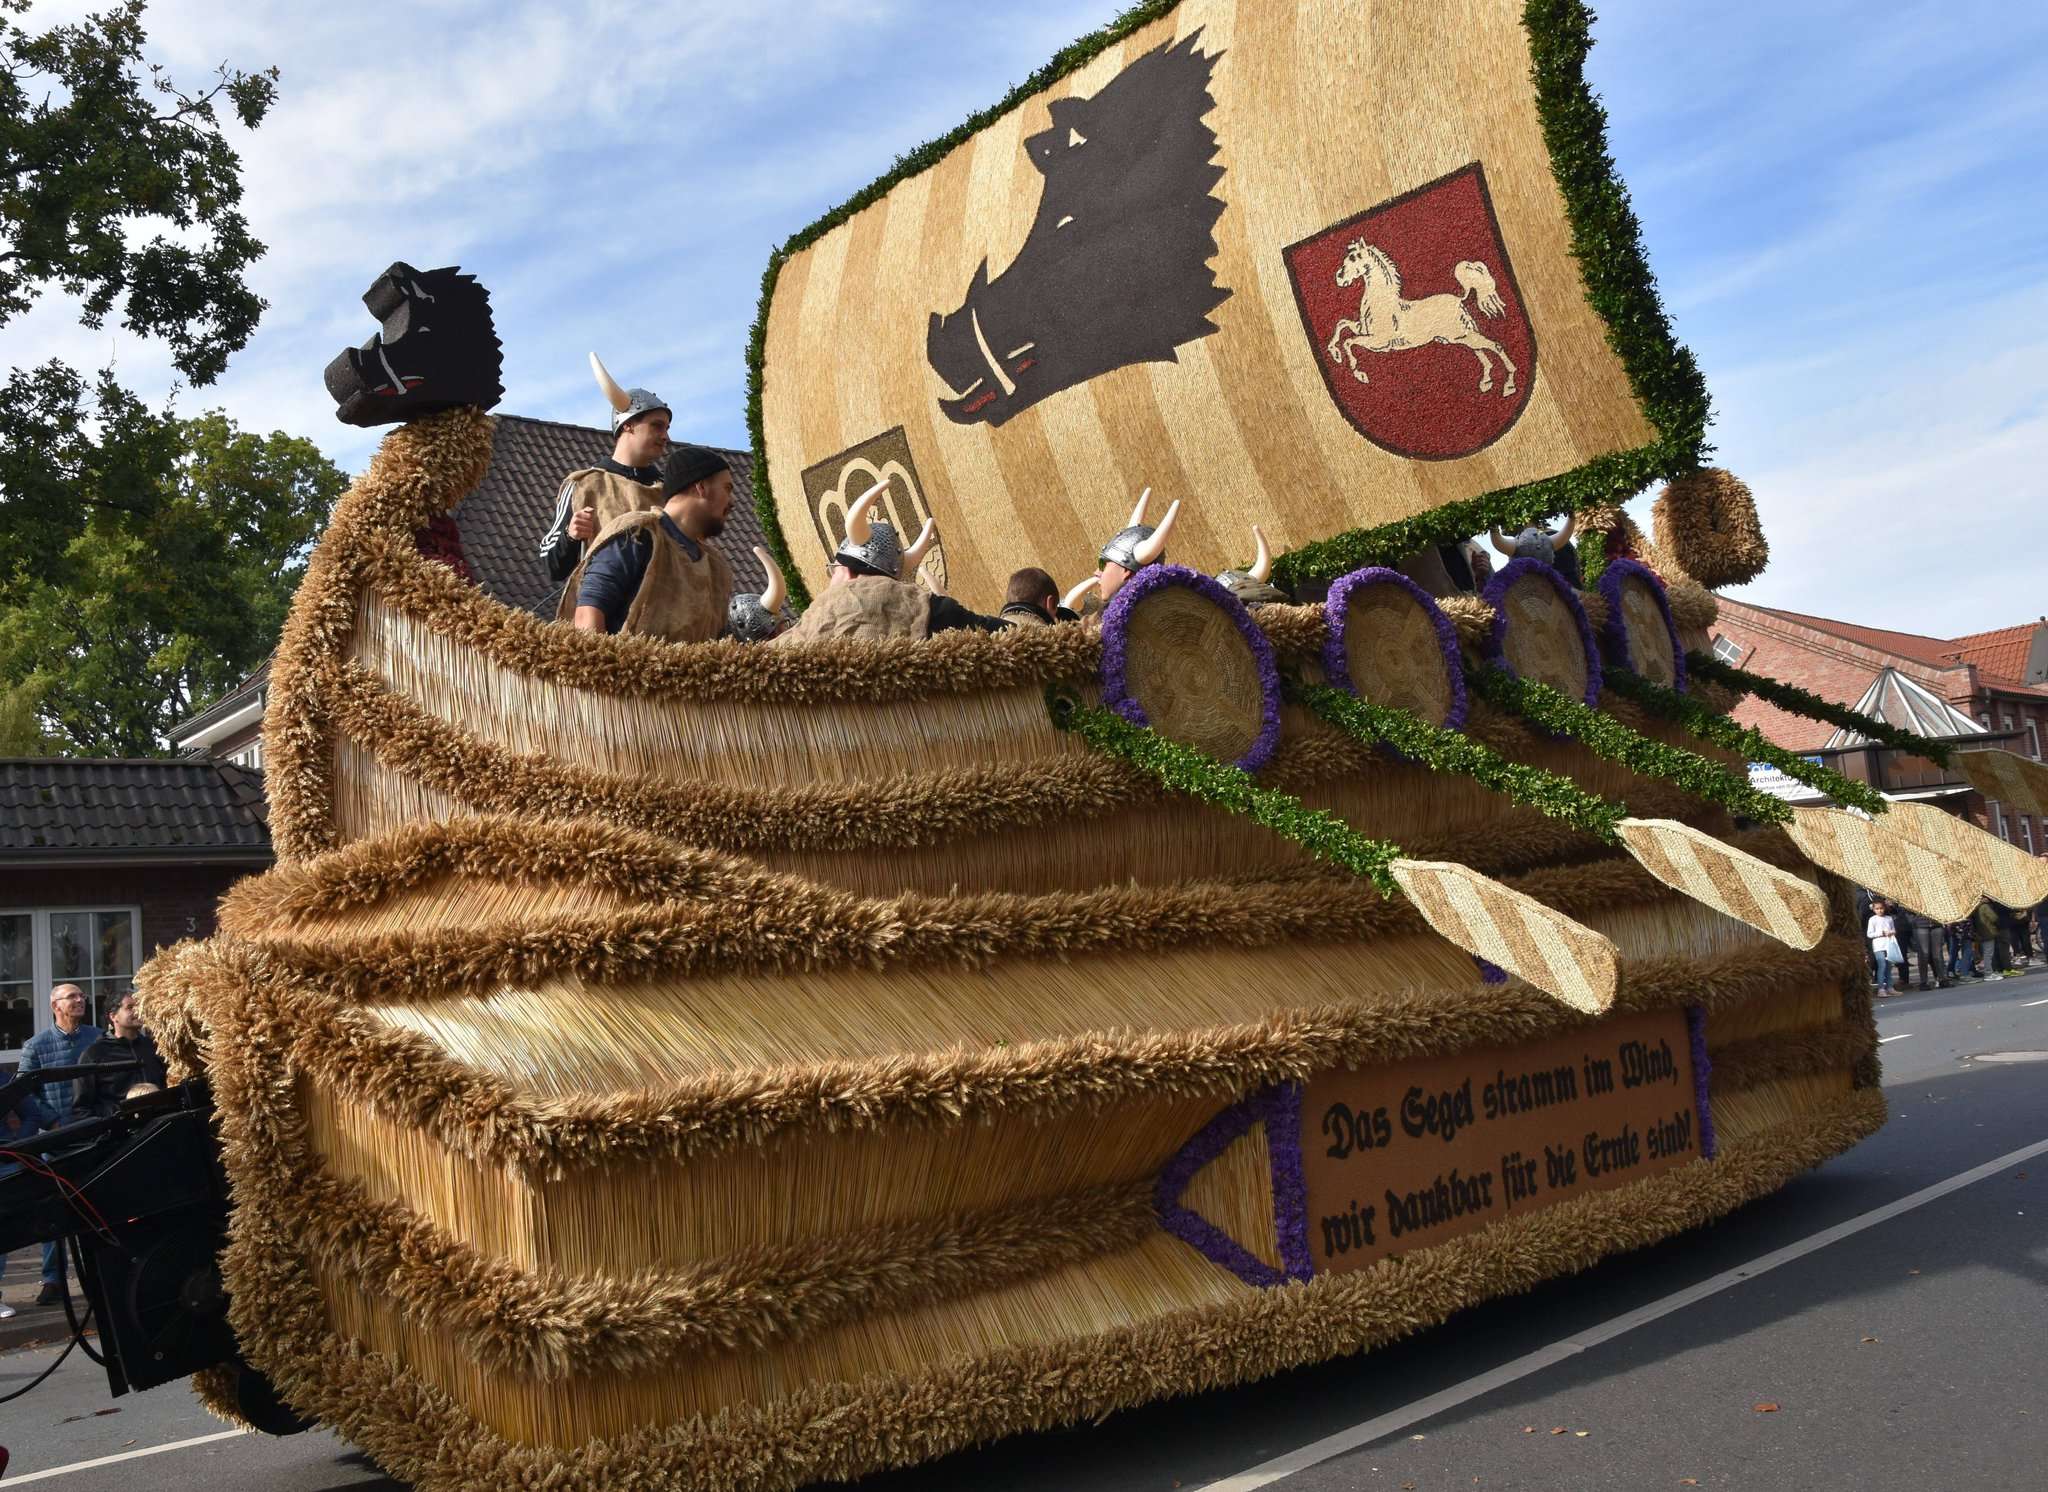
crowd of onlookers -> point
(73, 1041)
(1991, 943)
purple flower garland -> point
(1337, 615)
(1279, 1109)
(1702, 1068)
(1495, 596)
(1617, 630)
(1115, 625)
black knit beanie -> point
(685, 466)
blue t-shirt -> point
(612, 578)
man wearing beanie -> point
(654, 573)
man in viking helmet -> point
(871, 593)
(1254, 587)
(655, 573)
(1538, 542)
(1136, 545)
(629, 482)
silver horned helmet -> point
(752, 618)
(1254, 587)
(627, 404)
(1138, 543)
(871, 543)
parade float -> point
(740, 1066)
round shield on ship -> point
(1182, 655)
(1391, 644)
(1540, 631)
(1642, 637)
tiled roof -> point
(85, 809)
(251, 685)
(2001, 654)
(1900, 701)
(502, 520)
(1930, 650)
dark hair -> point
(686, 466)
(1031, 586)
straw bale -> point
(1759, 1060)
(1706, 521)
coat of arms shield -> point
(1415, 319)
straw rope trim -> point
(840, 1430)
(1799, 702)
(1614, 626)
(550, 1327)
(409, 1080)
(1749, 743)
(1706, 520)
(1336, 645)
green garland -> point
(1605, 736)
(1719, 730)
(1449, 751)
(1189, 771)
(1607, 242)
(1071, 59)
(1813, 707)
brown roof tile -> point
(2000, 654)
(66, 807)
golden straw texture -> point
(1706, 521)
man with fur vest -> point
(654, 574)
(630, 481)
(870, 594)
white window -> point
(17, 979)
(2009, 726)
(2033, 740)
(94, 948)
(2027, 832)
(1997, 813)
(1728, 652)
(250, 755)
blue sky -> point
(1844, 205)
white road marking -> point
(148, 1450)
(2032, 1003)
(1902, 1036)
(1332, 1446)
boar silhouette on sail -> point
(1115, 269)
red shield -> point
(1416, 321)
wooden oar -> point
(2004, 872)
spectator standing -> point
(1927, 941)
(63, 1045)
(1962, 949)
(98, 1095)
(1883, 934)
(1992, 957)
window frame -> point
(41, 979)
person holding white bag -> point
(1883, 934)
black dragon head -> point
(437, 350)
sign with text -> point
(1399, 1158)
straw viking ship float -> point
(726, 1065)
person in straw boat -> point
(629, 481)
(1033, 600)
(1254, 586)
(1135, 545)
(870, 593)
(1537, 541)
(655, 574)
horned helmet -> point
(756, 618)
(1254, 587)
(871, 545)
(1138, 544)
(627, 404)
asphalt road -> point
(1906, 1354)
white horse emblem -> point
(1387, 323)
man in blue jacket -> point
(63, 1045)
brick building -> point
(1987, 689)
(103, 862)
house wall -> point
(173, 901)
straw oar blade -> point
(1894, 867)
(2004, 872)
(1519, 933)
(2012, 779)
(1734, 882)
